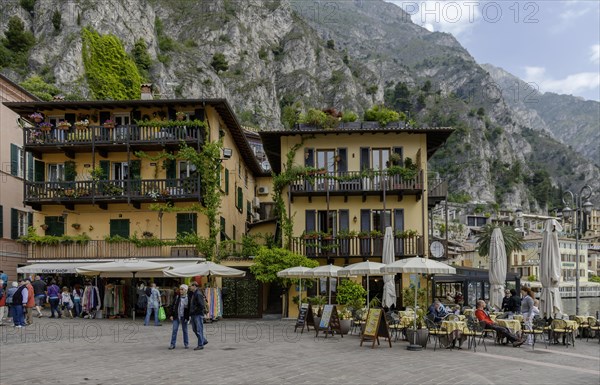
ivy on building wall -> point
(111, 73)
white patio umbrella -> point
(205, 269)
(367, 268)
(418, 265)
(296, 272)
(325, 271)
(389, 289)
(550, 270)
(498, 267)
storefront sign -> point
(330, 322)
(305, 318)
(375, 327)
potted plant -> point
(76, 226)
(165, 193)
(421, 333)
(351, 295)
(82, 124)
(311, 235)
(179, 115)
(36, 117)
(109, 124)
(345, 316)
(63, 125)
(45, 126)
(44, 227)
(147, 234)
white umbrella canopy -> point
(325, 271)
(418, 265)
(296, 272)
(498, 268)
(389, 289)
(550, 270)
(367, 268)
(205, 269)
(116, 268)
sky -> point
(553, 45)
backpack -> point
(148, 291)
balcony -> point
(101, 139)
(100, 249)
(112, 191)
(356, 183)
(350, 247)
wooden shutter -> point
(14, 159)
(187, 223)
(39, 171)
(365, 220)
(171, 172)
(56, 226)
(119, 227)
(29, 220)
(14, 224)
(223, 233)
(311, 219)
(344, 220)
(1, 221)
(399, 220)
(248, 211)
(105, 166)
(240, 199)
(342, 165)
(227, 181)
(71, 118)
(309, 157)
(365, 161)
(30, 169)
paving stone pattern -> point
(65, 351)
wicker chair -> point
(537, 330)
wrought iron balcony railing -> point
(355, 182)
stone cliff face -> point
(341, 54)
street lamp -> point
(579, 207)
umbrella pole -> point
(368, 296)
(135, 290)
(329, 281)
(300, 296)
(414, 345)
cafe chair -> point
(537, 330)
(593, 328)
(559, 327)
(393, 324)
(452, 317)
(475, 330)
(435, 332)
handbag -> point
(161, 314)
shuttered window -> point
(223, 233)
(365, 162)
(344, 220)
(56, 226)
(240, 199)
(311, 219)
(187, 223)
(16, 160)
(309, 157)
(226, 181)
(365, 220)
(119, 227)
(342, 163)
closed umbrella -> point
(367, 268)
(497, 268)
(418, 265)
(550, 270)
(389, 289)
(325, 271)
(296, 272)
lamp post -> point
(581, 205)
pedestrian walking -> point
(2, 301)
(153, 304)
(19, 301)
(30, 302)
(9, 300)
(39, 291)
(77, 295)
(66, 302)
(197, 307)
(180, 316)
(54, 299)
(527, 305)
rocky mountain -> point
(266, 55)
(572, 120)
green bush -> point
(382, 115)
(37, 86)
(16, 38)
(318, 118)
(219, 62)
(27, 5)
(142, 58)
(351, 294)
(56, 20)
(349, 116)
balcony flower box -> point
(45, 127)
(165, 193)
(63, 125)
(36, 117)
(82, 124)
(109, 124)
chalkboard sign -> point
(303, 318)
(375, 327)
(330, 322)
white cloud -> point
(454, 17)
(595, 55)
(571, 85)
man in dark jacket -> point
(19, 300)
(180, 316)
(505, 300)
(514, 303)
(197, 306)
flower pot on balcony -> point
(109, 126)
(76, 226)
(44, 227)
(64, 126)
(69, 192)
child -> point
(66, 301)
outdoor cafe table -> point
(571, 324)
(468, 312)
(518, 317)
(513, 324)
(581, 319)
(455, 332)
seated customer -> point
(483, 316)
(438, 311)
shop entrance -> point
(274, 302)
(241, 297)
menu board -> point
(303, 316)
(330, 322)
(375, 327)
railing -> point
(437, 187)
(355, 181)
(97, 249)
(99, 135)
(355, 246)
(111, 189)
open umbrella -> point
(325, 271)
(363, 268)
(497, 268)
(296, 272)
(205, 269)
(389, 289)
(550, 270)
(418, 265)
(117, 268)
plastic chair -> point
(536, 330)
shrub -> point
(27, 5)
(56, 20)
(37, 86)
(142, 58)
(17, 39)
(382, 115)
(349, 116)
(318, 118)
(331, 44)
(219, 62)
(351, 294)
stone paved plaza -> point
(65, 351)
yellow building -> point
(350, 183)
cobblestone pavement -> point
(65, 351)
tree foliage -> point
(17, 39)
(56, 20)
(513, 241)
(219, 63)
(383, 115)
(142, 59)
(110, 72)
(269, 261)
(37, 86)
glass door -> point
(120, 173)
(122, 122)
(325, 161)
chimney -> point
(147, 91)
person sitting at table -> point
(506, 300)
(438, 311)
(502, 331)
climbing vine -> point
(111, 73)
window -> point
(186, 169)
(56, 226)
(20, 222)
(119, 227)
(58, 135)
(187, 223)
(223, 234)
(380, 222)
(16, 160)
(245, 177)
(380, 158)
(120, 172)
(240, 200)
(327, 221)
(326, 160)
(56, 172)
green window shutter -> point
(1, 222)
(342, 164)
(365, 162)
(310, 223)
(240, 199)
(39, 171)
(14, 159)
(171, 173)
(135, 169)
(399, 151)
(227, 181)
(56, 226)
(30, 166)
(29, 219)
(105, 166)
(70, 171)
(248, 211)
(119, 227)
(187, 223)
(14, 223)
(309, 157)
(223, 234)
